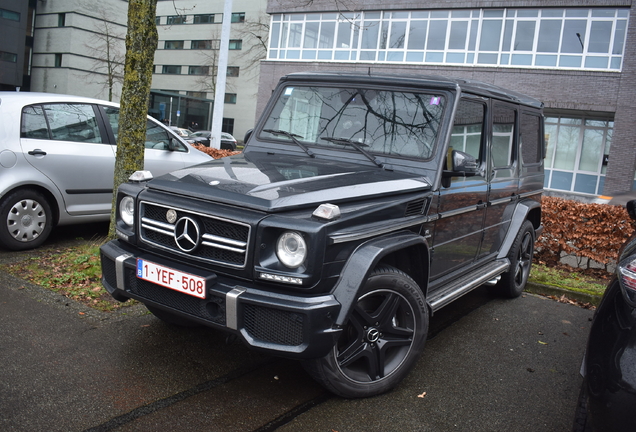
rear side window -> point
(531, 142)
(503, 136)
(61, 122)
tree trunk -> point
(141, 43)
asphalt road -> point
(489, 365)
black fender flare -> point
(518, 217)
(362, 262)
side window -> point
(503, 134)
(112, 114)
(156, 137)
(468, 128)
(531, 144)
(159, 139)
(72, 122)
(34, 123)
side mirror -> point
(631, 209)
(464, 163)
(171, 145)
(248, 134)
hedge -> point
(583, 230)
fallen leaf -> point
(543, 343)
(421, 395)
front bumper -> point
(292, 326)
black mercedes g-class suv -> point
(360, 205)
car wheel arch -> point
(371, 254)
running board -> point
(458, 287)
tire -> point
(170, 318)
(513, 282)
(581, 423)
(26, 220)
(381, 340)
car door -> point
(504, 178)
(159, 158)
(462, 201)
(66, 142)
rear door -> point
(67, 143)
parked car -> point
(184, 134)
(360, 205)
(228, 142)
(57, 161)
(608, 394)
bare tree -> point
(108, 49)
(141, 43)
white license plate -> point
(171, 278)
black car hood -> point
(271, 182)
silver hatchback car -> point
(57, 158)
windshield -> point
(395, 123)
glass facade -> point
(561, 38)
(577, 153)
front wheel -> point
(25, 220)
(381, 340)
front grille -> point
(210, 309)
(108, 271)
(221, 241)
(273, 325)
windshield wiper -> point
(356, 145)
(291, 136)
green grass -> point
(73, 271)
(567, 279)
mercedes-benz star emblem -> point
(186, 234)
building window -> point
(577, 152)
(8, 57)
(197, 94)
(10, 15)
(58, 60)
(574, 38)
(205, 44)
(236, 44)
(227, 125)
(204, 19)
(173, 45)
(230, 98)
(157, 20)
(233, 71)
(171, 69)
(238, 17)
(198, 70)
(176, 19)
(61, 20)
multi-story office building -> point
(16, 43)
(578, 57)
(79, 48)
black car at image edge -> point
(607, 401)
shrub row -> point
(594, 231)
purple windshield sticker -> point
(435, 100)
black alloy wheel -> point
(381, 341)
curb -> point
(548, 290)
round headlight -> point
(127, 210)
(291, 249)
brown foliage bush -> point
(594, 231)
(215, 153)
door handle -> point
(37, 152)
